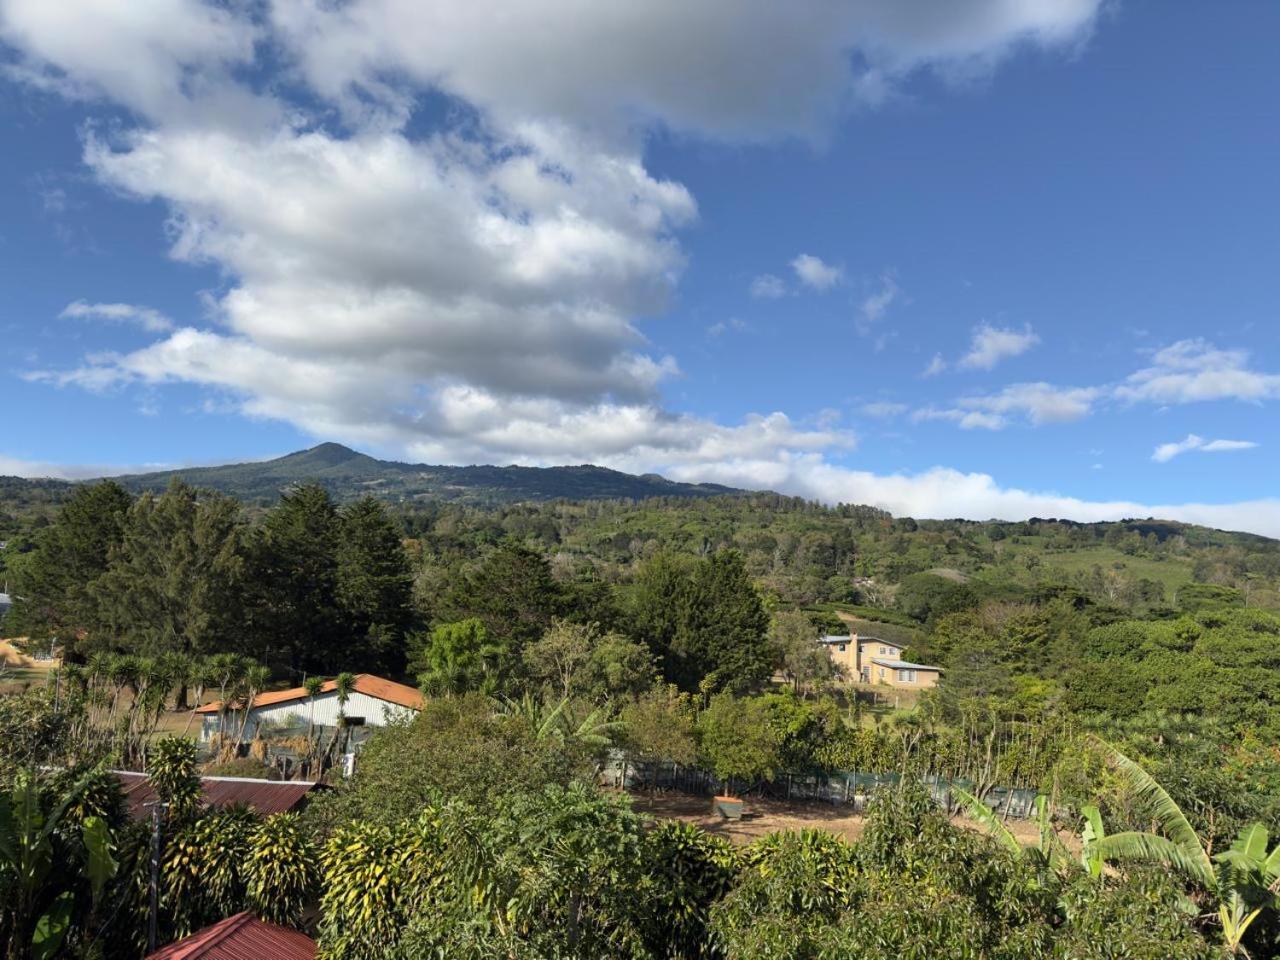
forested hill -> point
(348, 475)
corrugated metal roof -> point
(241, 937)
(264, 796)
(903, 665)
(366, 683)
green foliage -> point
(171, 769)
(705, 622)
(293, 575)
(687, 871)
(660, 726)
(175, 578)
(374, 584)
(737, 739)
(56, 587)
(458, 747)
(927, 596)
(456, 658)
(283, 869)
(1195, 597)
(512, 593)
(577, 660)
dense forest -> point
(1129, 673)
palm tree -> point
(255, 681)
(202, 675)
(313, 686)
(344, 684)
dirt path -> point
(768, 816)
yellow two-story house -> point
(872, 660)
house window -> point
(842, 646)
(882, 673)
(906, 676)
(883, 650)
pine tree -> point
(374, 587)
(296, 620)
(56, 597)
(514, 595)
(175, 581)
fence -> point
(839, 787)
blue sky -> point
(974, 258)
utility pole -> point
(158, 811)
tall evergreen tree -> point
(175, 580)
(55, 592)
(374, 586)
(297, 622)
(705, 621)
(514, 595)
(657, 601)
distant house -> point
(264, 796)
(5, 603)
(872, 660)
(238, 937)
(374, 702)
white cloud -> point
(815, 274)
(732, 69)
(767, 287)
(145, 317)
(1192, 371)
(883, 409)
(991, 344)
(1167, 451)
(721, 327)
(1037, 403)
(468, 293)
(873, 307)
(936, 366)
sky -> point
(978, 258)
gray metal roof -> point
(904, 665)
(836, 638)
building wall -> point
(376, 713)
(889, 677)
(844, 656)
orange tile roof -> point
(366, 683)
(240, 937)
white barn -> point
(373, 703)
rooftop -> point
(366, 683)
(240, 937)
(264, 796)
(903, 665)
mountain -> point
(347, 474)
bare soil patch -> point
(762, 817)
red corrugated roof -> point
(366, 683)
(264, 796)
(242, 937)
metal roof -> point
(903, 665)
(398, 693)
(264, 796)
(241, 937)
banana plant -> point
(1244, 879)
(1049, 849)
(1248, 881)
(39, 917)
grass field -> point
(1172, 573)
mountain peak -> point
(349, 474)
(326, 453)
